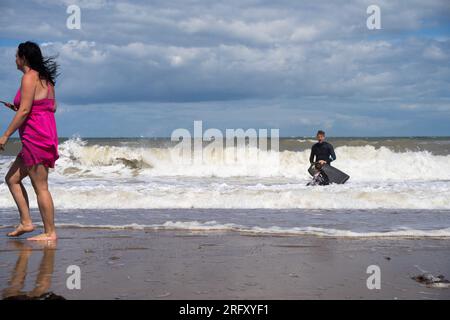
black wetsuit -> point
(322, 151)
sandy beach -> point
(165, 264)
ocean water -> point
(399, 187)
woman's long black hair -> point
(46, 67)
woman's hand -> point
(3, 142)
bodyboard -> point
(312, 170)
(335, 175)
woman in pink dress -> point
(35, 106)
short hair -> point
(321, 132)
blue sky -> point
(145, 68)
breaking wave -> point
(363, 163)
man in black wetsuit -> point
(322, 151)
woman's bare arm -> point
(27, 91)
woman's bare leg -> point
(13, 179)
(39, 179)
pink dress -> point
(38, 133)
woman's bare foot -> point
(21, 229)
(44, 237)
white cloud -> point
(433, 52)
(184, 51)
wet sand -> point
(162, 264)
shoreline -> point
(173, 264)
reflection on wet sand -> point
(19, 273)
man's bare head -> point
(320, 135)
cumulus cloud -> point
(146, 53)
